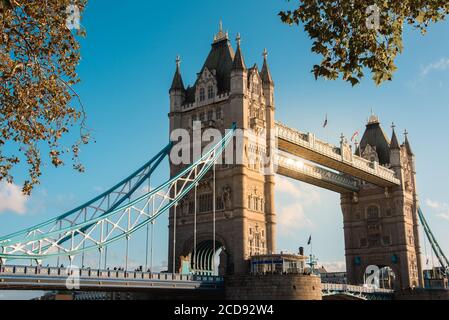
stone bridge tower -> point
(381, 225)
(225, 92)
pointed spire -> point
(177, 83)
(357, 148)
(221, 35)
(239, 62)
(373, 119)
(394, 145)
(407, 144)
(265, 73)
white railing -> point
(309, 141)
(353, 289)
(102, 274)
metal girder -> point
(114, 223)
(98, 206)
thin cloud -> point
(444, 216)
(440, 65)
(292, 218)
(286, 186)
(293, 205)
(334, 266)
(442, 208)
(12, 199)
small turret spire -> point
(357, 148)
(394, 145)
(407, 144)
(265, 73)
(239, 62)
(177, 83)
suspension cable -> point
(425, 249)
(174, 228)
(214, 217)
(152, 236)
(107, 233)
(194, 223)
(147, 231)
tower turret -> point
(177, 90)
(409, 151)
(268, 83)
(395, 150)
(238, 71)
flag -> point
(325, 122)
(310, 241)
(355, 135)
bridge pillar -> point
(226, 92)
(381, 225)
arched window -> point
(202, 94)
(373, 212)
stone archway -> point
(208, 259)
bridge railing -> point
(354, 289)
(309, 141)
(103, 274)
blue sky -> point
(126, 70)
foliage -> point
(38, 59)
(349, 45)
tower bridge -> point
(376, 181)
(221, 215)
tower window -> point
(202, 94)
(363, 242)
(210, 115)
(373, 212)
(205, 203)
(210, 92)
(219, 203)
(219, 114)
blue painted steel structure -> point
(108, 218)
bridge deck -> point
(309, 148)
(42, 278)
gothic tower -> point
(225, 92)
(381, 225)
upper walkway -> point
(308, 147)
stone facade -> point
(273, 287)
(381, 225)
(226, 92)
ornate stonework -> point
(224, 93)
(381, 227)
